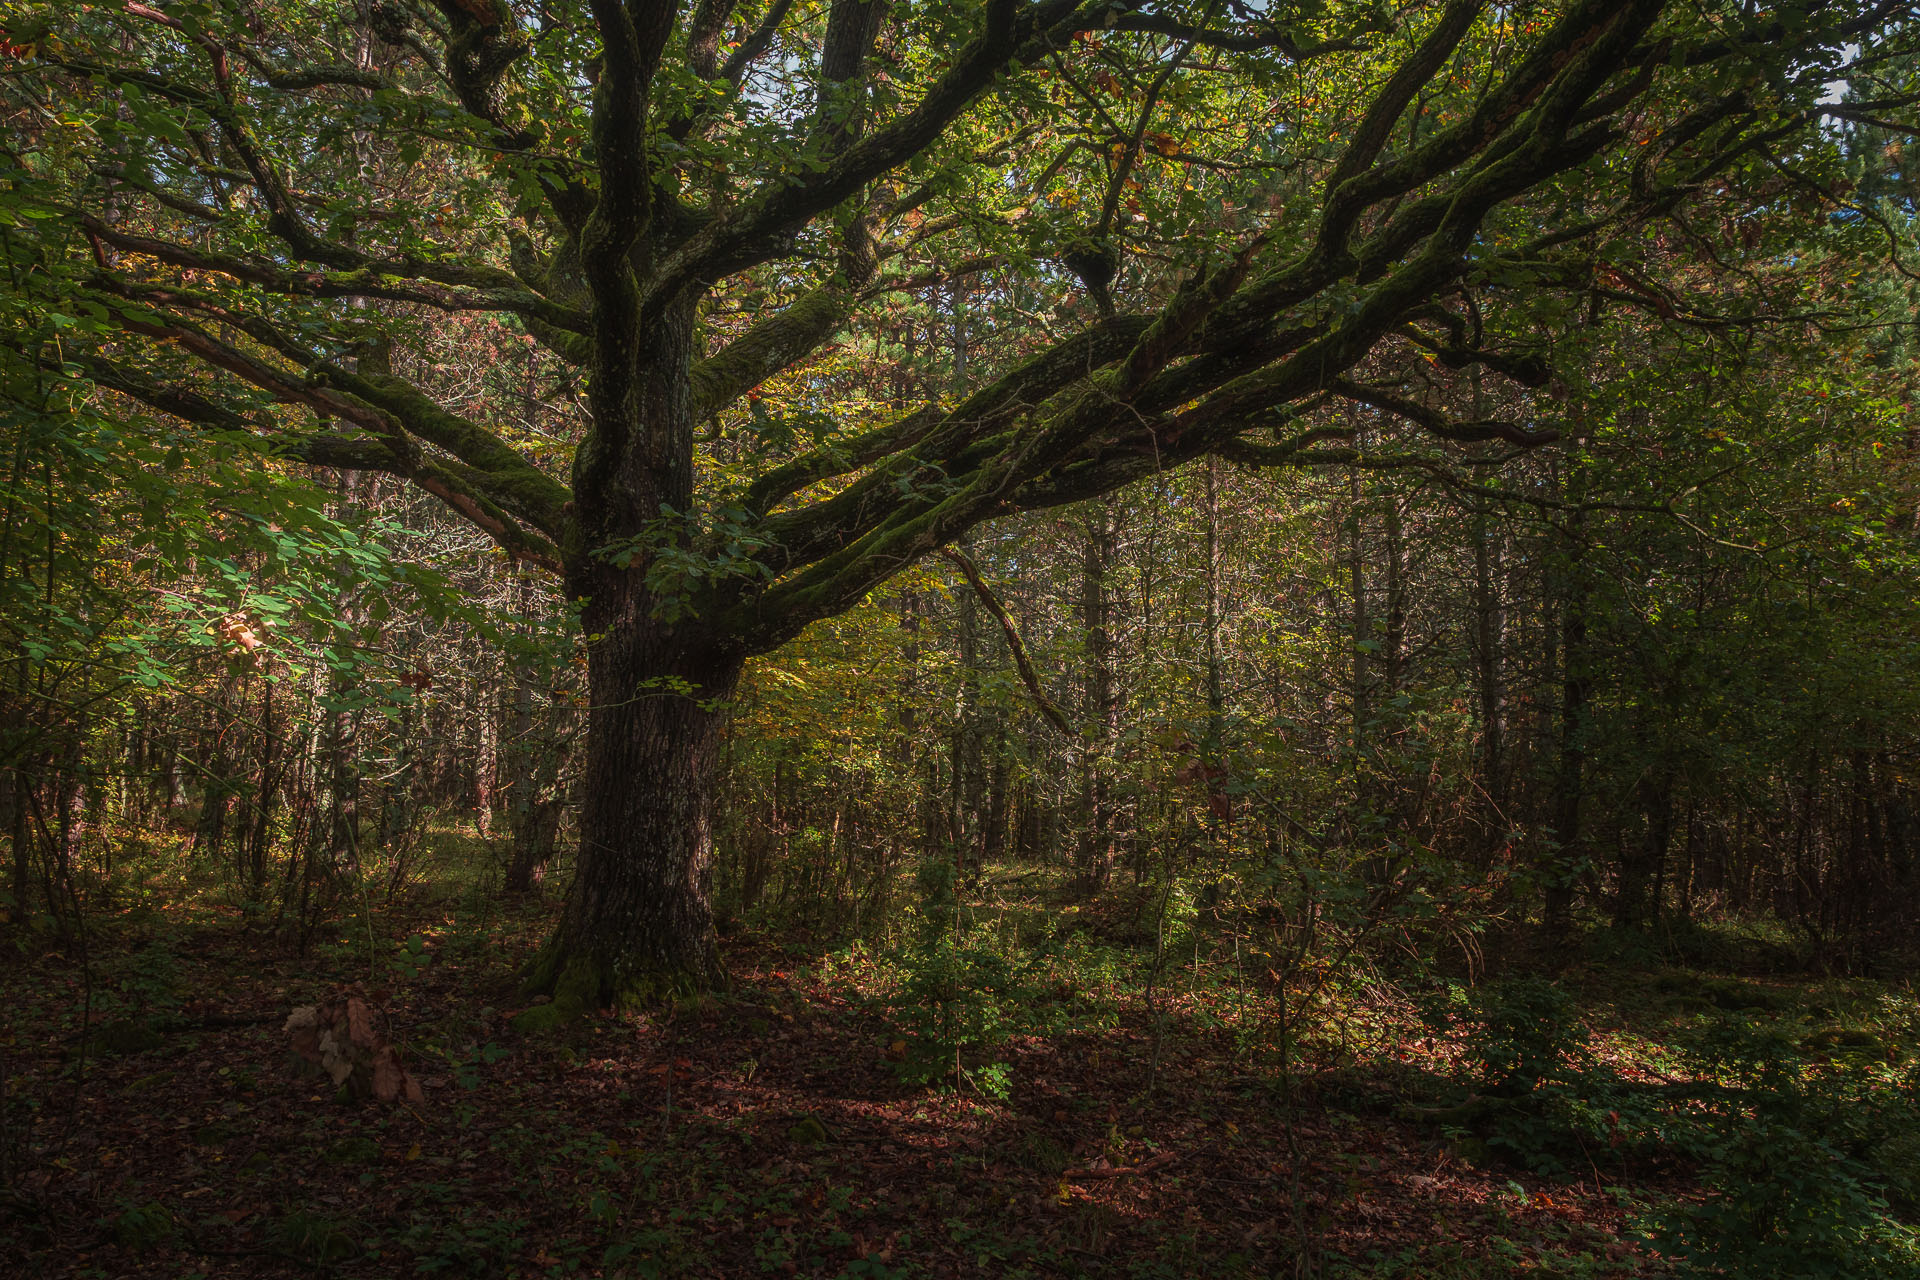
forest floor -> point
(1147, 1126)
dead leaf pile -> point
(340, 1038)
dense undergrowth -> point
(1012, 1081)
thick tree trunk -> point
(638, 924)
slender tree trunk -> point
(1642, 867)
(13, 820)
(1213, 750)
(172, 775)
(536, 838)
(969, 781)
(1387, 799)
(343, 717)
(1690, 845)
(343, 790)
(536, 792)
(260, 830)
(925, 777)
(1360, 679)
(1570, 775)
(486, 746)
(536, 761)
(70, 800)
(217, 768)
(994, 838)
(1489, 645)
(966, 791)
(1102, 705)
(131, 794)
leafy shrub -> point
(467, 1244)
(1526, 1049)
(150, 979)
(956, 996)
(1786, 1205)
(1522, 1031)
(314, 1237)
(1896, 1161)
(1739, 1052)
(1799, 1158)
(411, 958)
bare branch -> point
(1436, 423)
(1022, 663)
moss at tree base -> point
(581, 984)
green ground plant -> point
(956, 1003)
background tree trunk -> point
(1642, 867)
(1570, 772)
(1102, 706)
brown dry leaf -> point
(336, 1056)
(388, 1078)
(360, 1023)
(304, 1024)
(391, 1081)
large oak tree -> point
(251, 207)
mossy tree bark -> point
(637, 924)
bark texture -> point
(637, 924)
